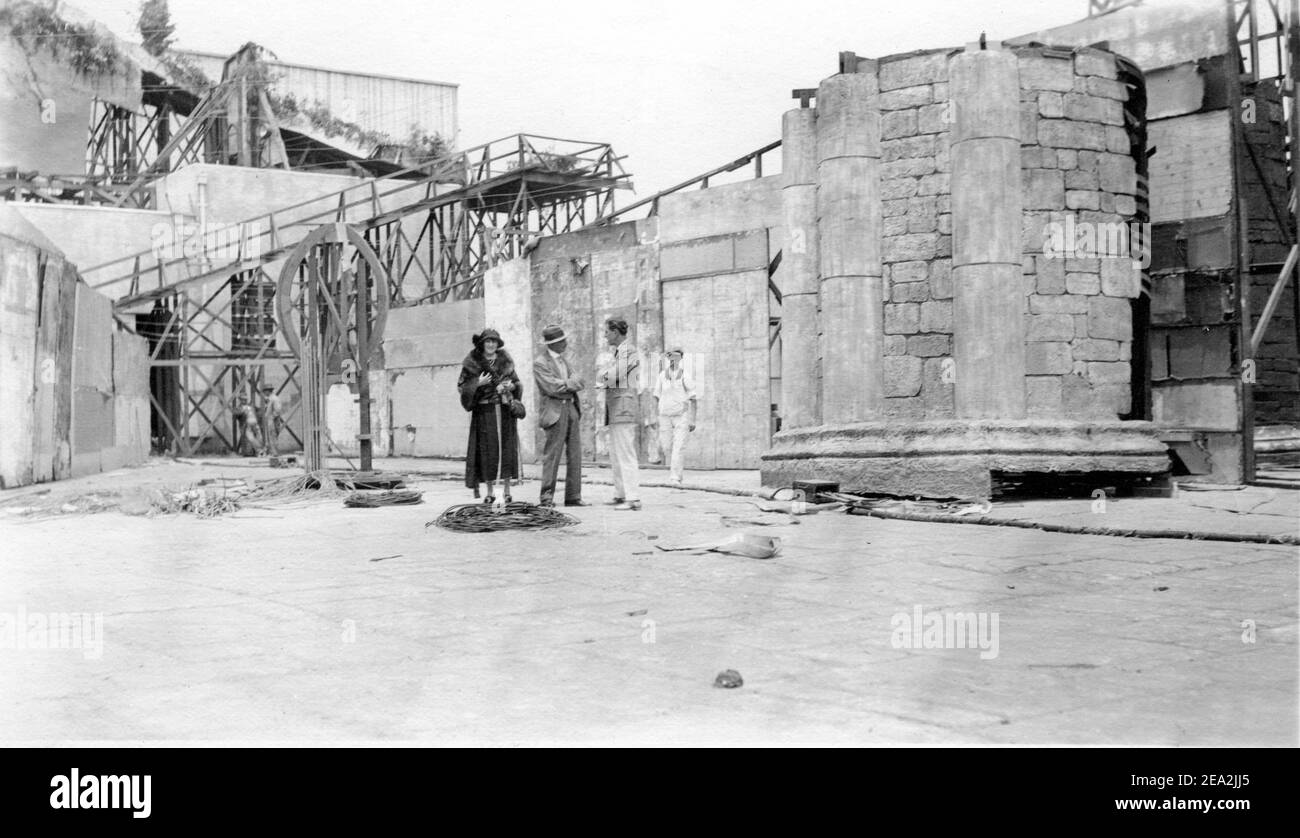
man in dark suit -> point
(558, 386)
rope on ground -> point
(517, 515)
(930, 517)
(369, 500)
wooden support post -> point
(363, 362)
(1241, 255)
(243, 125)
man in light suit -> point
(621, 378)
(558, 386)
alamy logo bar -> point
(110, 791)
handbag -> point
(517, 409)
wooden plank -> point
(18, 265)
(52, 319)
(63, 406)
(131, 396)
(1187, 177)
(722, 323)
(92, 379)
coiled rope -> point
(369, 500)
(516, 515)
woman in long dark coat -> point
(488, 384)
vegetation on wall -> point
(86, 50)
(91, 52)
(422, 145)
(549, 161)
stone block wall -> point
(1079, 184)
(1076, 174)
(915, 173)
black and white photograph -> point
(702, 374)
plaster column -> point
(849, 230)
(797, 276)
(988, 292)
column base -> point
(958, 458)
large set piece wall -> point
(1074, 159)
(74, 391)
(695, 276)
(423, 350)
(957, 338)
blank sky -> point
(678, 87)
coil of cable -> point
(368, 500)
(516, 515)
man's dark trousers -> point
(564, 434)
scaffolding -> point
(221, 323)
(1267, 33)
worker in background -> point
(675, 393)
(272, 420)
(248, 433)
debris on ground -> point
(764, 520)
(204, 503)
(798, 507)
(751, 545)
(216, 496)
(90, 503)
(960, 506)
(728, 679)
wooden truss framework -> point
(126, 149)
(209, 373)
(232, 123)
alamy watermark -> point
(53, 630)
(1068, 237)
(946, 630)
(204, 243)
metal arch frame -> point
(299, 258)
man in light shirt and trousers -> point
(621, 378)
(675, 392)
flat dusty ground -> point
(310, 622)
